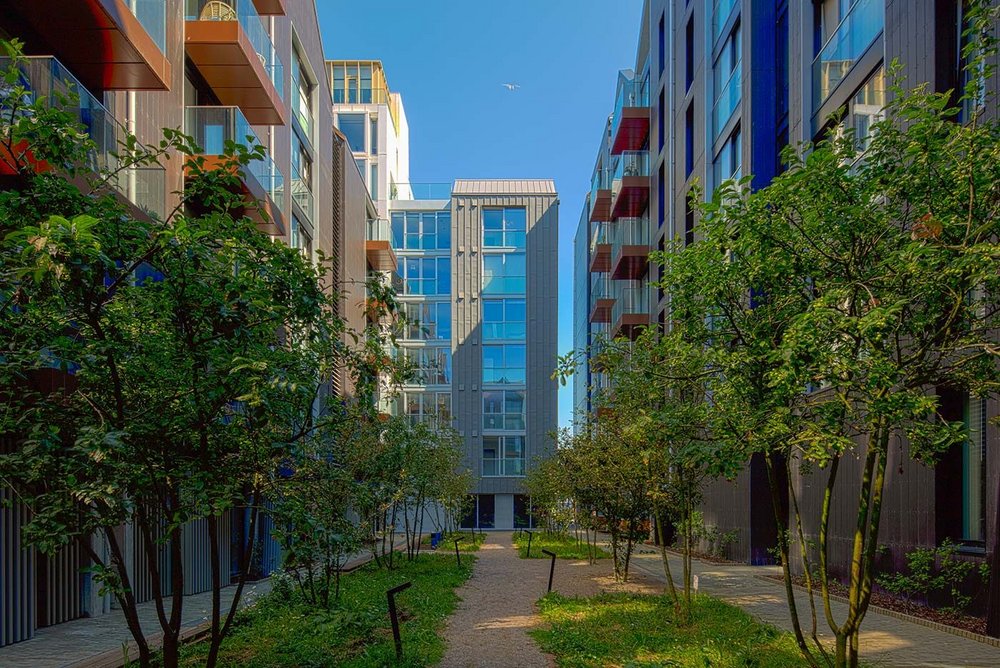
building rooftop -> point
(504, 187)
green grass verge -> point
(565, 546)
(357, 632)
(470, 541)
(640, 630)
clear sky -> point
(449, 59)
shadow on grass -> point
(641, 630)
(284, 632)
(565, 546)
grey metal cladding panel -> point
(515, 187)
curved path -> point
(489, 629)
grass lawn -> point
(638, 630)
(357, 633)
(470, 542)
(564, 545)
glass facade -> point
(353, 127)
(416, 230)
(503, 410)
(860, 24)
(431, 365)
(504, 364)
(504, 273)
(974, 471)
(430, 408)
(425, 275)
(428, 321)
(503, 456)
(504, 319)
(505, 228)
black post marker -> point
(458, 557)
(530, 536)
(552, 568)
(391, 594)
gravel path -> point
(490, 627)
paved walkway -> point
(885, 640)
(490, 627)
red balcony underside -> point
(601, 312)
(630, 325)
(633, 198)
(631, 263)
(633, 129)
(266, 213)
(225, 58)
(600, 208)
(601, 260)
(276, 7)
(100, 41)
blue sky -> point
(449, 59)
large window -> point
(373, 134)
(503, 364)
(431, 366)
(503, 410)
(432, 408)
(426, 230)
(729, 162)
(298, 238)
(504, 273)
(866, 108)
(503, 455)
(428, 321)
(302, 88)
(974, 471)
(373, 181)
(353, 127)
(426, 275)
(505, 228)
(504, 319)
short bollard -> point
(530, 536)
(458, 557)
(394, 618)
(552, 568)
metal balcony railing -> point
(862, 25)
(245, 12)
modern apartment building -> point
(478, 279)
(373, 120)
(717, 89)
(221, 70)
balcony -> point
(44, 78)
(630, 313)
(602, 299)
(211, 128)
(420, 191)
(630, 122)
(378, 246)
(600, 248)
(630, 241)
(856, 32)
(600, 195)
(728, 100)
(275, 7)
(108, 44)
(630, 185)
(228, 44)
(302, 193)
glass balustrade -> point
(420, 191)
(862, 25)
(245, 12)
(379, 230)
(630, 93)
(45, 79)
(720, 15)
(212, 127)
(631, 298)
(152, 15)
